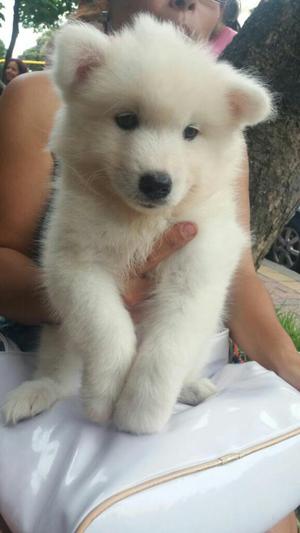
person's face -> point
(197, 17)
(12, 70)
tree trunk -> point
(14, 35)
(269, 46)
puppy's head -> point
(149, 115)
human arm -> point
(256, 329)
(27, 108)
(253, 322)
(22, 299)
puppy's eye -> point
(127, 121)
(190, 132)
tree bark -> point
(269, 46)
(14, 35)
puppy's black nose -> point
(155, 185)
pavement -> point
(282, 284)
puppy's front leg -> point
(182, 320)
(95, 318)
(156, 378)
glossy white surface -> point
(58, 466)
(241, 497)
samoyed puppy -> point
(149, 134)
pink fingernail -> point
(188, 230)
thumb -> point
(173, 239)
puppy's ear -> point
(79, 48)
(249, 101)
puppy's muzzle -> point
(155, 185)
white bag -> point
(229, 465)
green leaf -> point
(42, 14)
(291, 323)
(2, 17)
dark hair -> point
(21, 66)
(230, 14)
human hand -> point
(139, 285)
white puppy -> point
(150, 134)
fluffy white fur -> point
(100, 229)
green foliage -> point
(2, 49)
(41, 14)
(291, 323)
(2, 18)
(38, 15)
(34, 53)
(39, 51)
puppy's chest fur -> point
(126, 247)
(95, 232)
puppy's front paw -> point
(139, 421)
(140, 412)
(30, 399)
(97, 408)
(197, 391)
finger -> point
(137, 291)
(173, 239)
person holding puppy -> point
(25, 184)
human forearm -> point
(254, 325)
(253, 322)
(21, 296)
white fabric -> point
(56, 468)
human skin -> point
(25, 167)
(196, 17)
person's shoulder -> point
(34, 90)
(33, 81)
(31, 97)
